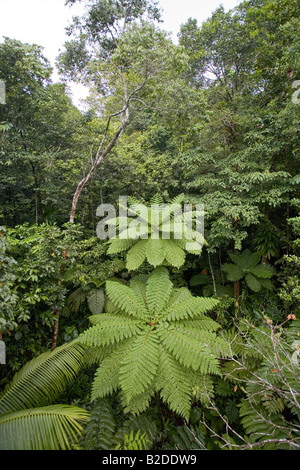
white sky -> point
(43, 22)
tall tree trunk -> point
(100, 156)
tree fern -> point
(246, 266)
(107, 431)
(160, 335)
(161, 235)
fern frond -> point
(99, 433)
(139, 289)
(156, 199)
(110, 329)
(126, 300)
(174, 255)
(106, 379)
(263, 271)
(158, 290)
(118, 245)
(194, 307)
(174, 384)
(133, 442)
(139, 366)
(141, 422)
(155, 252)
(234, 272)
(199, 324)
(189, 351)
(139, 403)
(136, 255)
(96, 300)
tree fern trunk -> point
(236, 288)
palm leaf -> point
(54, 427)
(41, 380)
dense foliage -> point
(154, 345)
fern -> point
(246, 266)
(133, 442)
(160, 236)
(160, 337)
(105, 432)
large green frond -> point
(194, 307)
(126, 300)
(263, 271)
(174, 255)
(234, 272)
(139, 403)
(99, 433)
(158, 290)
(106, 379)
(139, 365)
(190, 352)
(54, 427)
(156, 252)
(136, 255)
(96, 301)
(173, 383)
(253, 282)
(118, 245)
(109, 329)
(41, 380)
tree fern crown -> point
(162, 342)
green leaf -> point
(110, 329)
(139, 366)
(253, 282)
(54, 427)
(156, 252)
(136, 255)
(263, 271)
(173, 383)
(125, 299)
(96, 300)
(158, 290)
(234, 272)
(41, 380)
(106, 379)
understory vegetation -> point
(146, 343)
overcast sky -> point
(43, 22)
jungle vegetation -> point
(142, 343)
